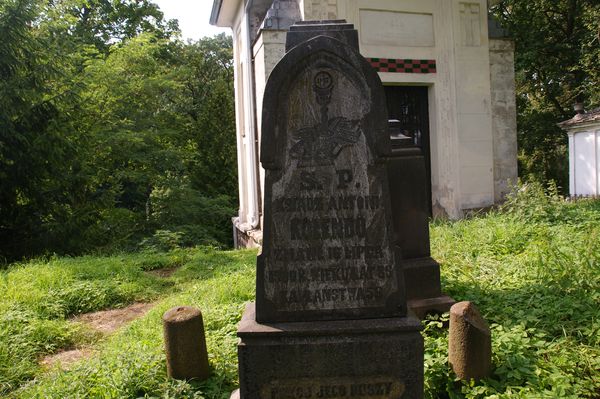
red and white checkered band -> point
(403, 66)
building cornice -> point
(216, 10)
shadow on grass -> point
(544, 338)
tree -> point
(206, 74)
(32, 153)
(110, 130)
(102, 23)
(557, 58)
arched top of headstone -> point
(340, 96)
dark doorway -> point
(410, 106)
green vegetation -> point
(114, 134)
(534, 272)
(556, 65)
(131, 363)
(533, 269)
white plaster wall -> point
(584, 165)
(248, 215)
(239, 125)
(504, 116)
(455, 35)
(318, 9)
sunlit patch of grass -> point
(38, 297)
(533, 269)
(131, 363)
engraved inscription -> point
(331, 246)
(335, 388)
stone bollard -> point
(185, 344)
(469, 342)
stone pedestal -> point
(423, 287)
(469, 342)
(410, 211)
(369, 358)
(185, 344)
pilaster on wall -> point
(445, 146)
(268, 50)
(504, 116)
(473, 102)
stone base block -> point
(361, 359)
(422, 307)
(421, 278)
(244, 236)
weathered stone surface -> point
(504, 116)
(408, 191)
(408, 178)
(328, 236)
(375, 358)
(469, 342)
(185, 344)
(434, 305)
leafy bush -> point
(187, 218)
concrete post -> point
(469, 342)
(185, 344)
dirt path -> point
(107, 321)
(163, 273)
(104, 321)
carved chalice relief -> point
(321, 144)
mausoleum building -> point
(448, 72)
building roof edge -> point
(216, 10)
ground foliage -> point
(531, 268)
(112, 130)
(534, 272)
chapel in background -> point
(448, 72)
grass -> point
(533, 270)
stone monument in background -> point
(330, 319)
(408, 178)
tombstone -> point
(408, 191)
(330, 319)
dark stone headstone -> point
(330, 316)
(328, 235)
(408, 178)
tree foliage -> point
(111, 128)
(557, 58)
(32, 152)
